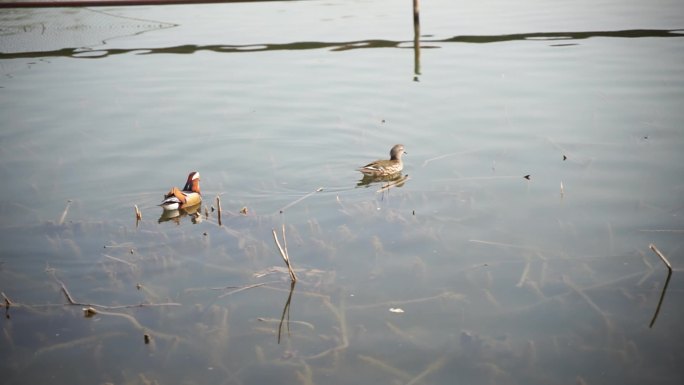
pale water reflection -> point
(465, 271)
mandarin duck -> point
(385, 167)
(188, 197)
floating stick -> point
(667, 281)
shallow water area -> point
(543, 162)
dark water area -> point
(543, 176)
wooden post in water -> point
(416, 39)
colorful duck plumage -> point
(385, 167)
(189, 196)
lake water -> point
(467, 272)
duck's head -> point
(192, 184)
(397, 151)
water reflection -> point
(194, 212)
(285, 317)
(394, 180)
(186, 49)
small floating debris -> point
(396, 310)
(527, 177)
(565, 157)
(89, 311)
(147, 338)
(244, 210)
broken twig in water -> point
(283, 253)
(667, 282)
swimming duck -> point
(385, 167)
(188, 197)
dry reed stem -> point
(667, 282)
(299, 200)
(402, 375)
(134, 321)
(64, 213)
(138, 214)
(382, 365)
(305, 377)
(444, 295)
(283, 253)
(340, 314)
(218, 206)
(94, 339)
(71, 301)
(8, 302)
(567, 293)
(662, 257)
(436, 365)
(239, 289)
(586, 298)
(286, 312)
(308, 325)
(425, 163)
(511, 245)
(525, 272)
(404, 335)
(132, 265)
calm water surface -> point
(465, 273)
